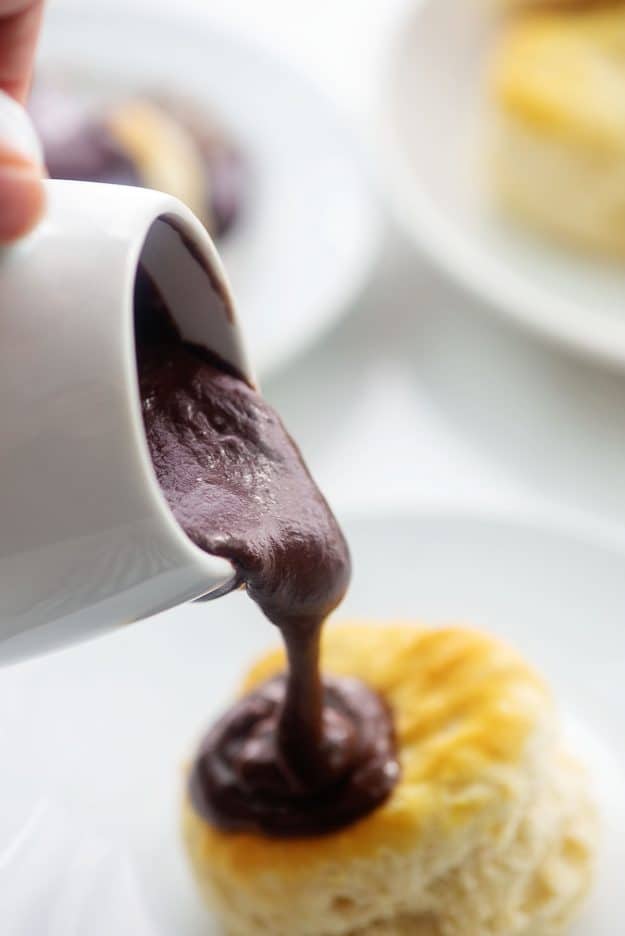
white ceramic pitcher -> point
(87, 541)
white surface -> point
(437, 130)
(104, 730)
(421, 397)
(88, 542)
(310, 230)
(61, 878)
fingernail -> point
(17, 131)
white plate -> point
(433, 130)
(105, 728)
(310, 233)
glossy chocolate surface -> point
(300, 755)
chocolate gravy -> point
(300, 755)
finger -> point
(21, 195)
(19, 27)
(21, 191)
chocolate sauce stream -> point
(299, 756)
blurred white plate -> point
(433, 131)
(104, 729)
(310, 233)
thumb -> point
(21, 167)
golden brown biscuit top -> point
(564, 72)
(465, 709)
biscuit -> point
(490, 829)
(557, 139)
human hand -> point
(21, 192)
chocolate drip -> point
(299, 756)
(242, 780)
